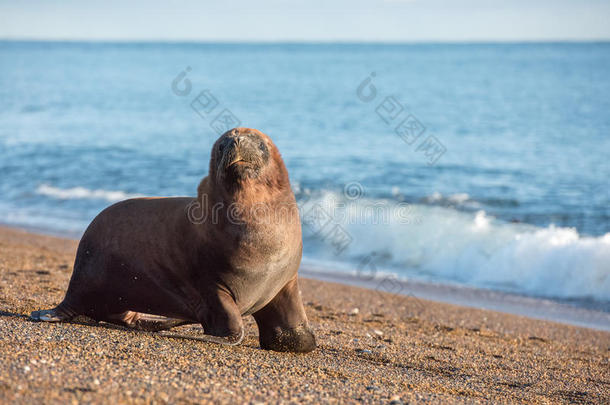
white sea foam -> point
(443, 244)
(459, 199)
(83, 193)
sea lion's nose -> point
(238, 142)
(232, 143)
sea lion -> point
(155, 263)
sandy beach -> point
(373, 347)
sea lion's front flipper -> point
(221, 319)
(282, 324)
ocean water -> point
(479, 165)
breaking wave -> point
(81, 193)
(436, 243)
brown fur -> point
(155, 256)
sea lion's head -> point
(246, 157)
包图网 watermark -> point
(205, 104)
(404, 124)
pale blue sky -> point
(307, 20)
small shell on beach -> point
(354, 311)
(377, 332)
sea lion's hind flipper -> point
(145, 322)
(46, 315)
(58, 314)
(156, 323)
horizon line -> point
(308, 42)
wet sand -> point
(373, 347)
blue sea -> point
(474, 165)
